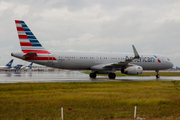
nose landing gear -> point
(157, 74)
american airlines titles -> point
(142, 59)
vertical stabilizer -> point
(10, 63)
(28, 42)
(30, 66)
(18, 67)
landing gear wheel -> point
(92, 75)
(157, 74)
(111, 75)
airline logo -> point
(29, 43)
(10, 63)
(18, 66)
(145, 59)
(158, 59)
(142, 59)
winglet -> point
(136, 55)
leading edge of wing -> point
(126, 62)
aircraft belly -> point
(147, 66)
(73, 64)
(153, 66)
(69, 65)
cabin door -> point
(50, 59)
(97, 60)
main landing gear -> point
(157, 74)
(110, 75)
(92, 75)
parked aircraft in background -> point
(27, 67)
(17, 67)
(98, 63)
(8, 66)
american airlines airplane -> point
(8, 66)
(98, 63)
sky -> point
(153, 26)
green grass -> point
(96, 100)
(143, 74)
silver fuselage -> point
(86, 60)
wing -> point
(124, 63)
(120, 64)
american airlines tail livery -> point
(98, 63)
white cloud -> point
(21, 10)
(4, 6)
(96, 25)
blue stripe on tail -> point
(10, 63)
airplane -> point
(17, 67)
(97, 62)
(8, 66)
(27, 67)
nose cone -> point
(171, 64)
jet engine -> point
(132, 70)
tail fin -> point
(10, 63)
(30, 66)
(28, 41)
(18, 67)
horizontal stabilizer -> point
(31, 54)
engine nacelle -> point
(132, 70)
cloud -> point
(96, 25)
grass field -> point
(145, 74)
(90, 100)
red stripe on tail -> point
(20, 29)
(25, 44)
(23, 37)
(17, 21)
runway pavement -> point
(67, 76)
